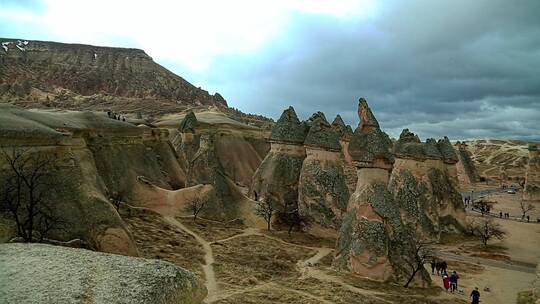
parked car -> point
(511, 191)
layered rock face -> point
(424, 182)
(466, 165)
(39, 70)
(53, 274)
(322, 189)
(531, 191)
(278, 175)
(98, 157)
(205, 168)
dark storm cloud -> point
(458, 68)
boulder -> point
(39, 273)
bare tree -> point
(418, 251)
(487, 229)
(266, 208)
(28, 185)
(196, 206)
(470, 226)
(291, 217)
(117, 198)
(525, 207)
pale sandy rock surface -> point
(38, 273)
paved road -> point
(478, 194)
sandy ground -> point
(503, 284)
(521, 245)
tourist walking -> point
(446, 282)
(453, 281)
(475, 296)
(433, 263)
(444, 266)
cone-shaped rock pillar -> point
(323, 192)
(277, 176)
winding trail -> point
(208, 268)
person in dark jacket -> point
(475, 296)
(444, 266)
(453, 281)
(433, 263)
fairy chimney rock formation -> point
(277, 176)
(322, 189)
(363, 243)
(532, 177)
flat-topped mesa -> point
(531, 191)
(288, 129)
(84, 71)
(369, 146)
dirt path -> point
(247, 232)
(211, 284)
(488, 262)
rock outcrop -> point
(206, 169)
(363, 246)
(322, 189)
(61, 75)
(466, 165)
(38, 273)
(405, 194)
(345, 132)
(99, 157)
(424, 182)
(278, 175)
(531, 191)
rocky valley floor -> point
(247, 265)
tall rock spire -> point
(369, 145)
(367, 119)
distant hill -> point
(77, 76)
(491, 156)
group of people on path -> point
(450, 282)
(113, 115)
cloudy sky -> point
(467, 69)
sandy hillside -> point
(491, 155)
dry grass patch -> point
(269, 296)
(330, 291)
(158, 240)
(303, 239)
(212, 231)
(464, 269)
(248, 261)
